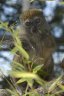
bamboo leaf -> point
(60, 85)
(22, 51)
(53, 86)
(21, 81)
(37, 68)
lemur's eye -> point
(37, 20)
(28, 23)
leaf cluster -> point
(19, 71)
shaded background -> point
(54, 14)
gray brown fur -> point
(37, 39)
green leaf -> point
(22, 51)
(53, 86)
(10, 91)
(17, 64)
(30, 82)
(3, 25)
(21, 81)
(37, 68)
(34, 93)
(14, 50)
(37, 94)
(18, 74)
(13, 92)
(60, 85)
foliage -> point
(19, 71)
